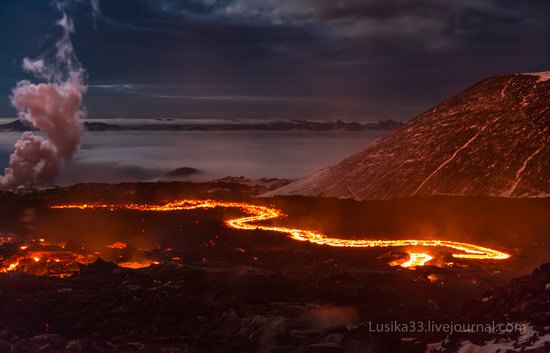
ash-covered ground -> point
(217, 289)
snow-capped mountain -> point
(492, 139)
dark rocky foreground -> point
(524, 300)
(191, 308)
(222, 290)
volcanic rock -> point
(490, 140)
(99, 267)
(525, 300)
(182, 172)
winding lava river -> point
(257, 213)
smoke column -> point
(55, 108)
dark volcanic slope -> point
(491, 139)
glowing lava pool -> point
(258, 213)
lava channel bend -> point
(258, 213)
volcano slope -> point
(490, 140)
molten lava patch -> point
(415, 259)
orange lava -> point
(117, 245)
(257, 213)
(415, 259)
(46, 262)
(137, 264)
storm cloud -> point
(360, 59)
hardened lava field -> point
(126, 268)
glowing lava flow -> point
(257, 213)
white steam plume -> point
(55, 108)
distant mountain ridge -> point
(269, 125)
(492, 139)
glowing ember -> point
(10, 267)
(257, 213)
(46, 262)
(137, 264)
(433, 278)
(117, 245)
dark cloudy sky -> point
(360, 59)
